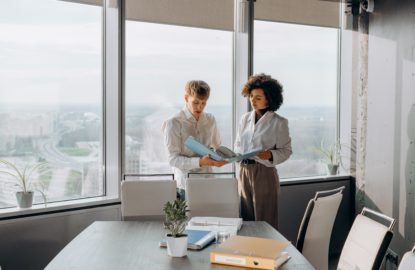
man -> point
(191, 121)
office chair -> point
(313, 239)
(408, 261)
(367, 241)
(144, 199)
(213, 197)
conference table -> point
(129, 245)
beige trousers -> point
(258, 189)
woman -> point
(262, 129)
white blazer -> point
(269, 133)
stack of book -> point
(251, 252)
(230, 225)
(216, 221)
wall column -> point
(359, 100)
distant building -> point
(25, 125)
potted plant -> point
(332, 156)
(24, 180)
(175, 224)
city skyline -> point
(51, 94)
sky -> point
(51, 53)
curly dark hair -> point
(272, 89)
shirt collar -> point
(189, 115)
(265, 116)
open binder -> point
(221, 153)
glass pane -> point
(160, 59)
(51, 98)
(304, 59)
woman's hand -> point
(265, 155)
(207, 161)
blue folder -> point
(203, 150)
(196, 239)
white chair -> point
(315, 230)
(367, 241)
(212, 197)
(144, 200)
(408, 260)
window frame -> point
(41, 207)
(124, 172)
(114, 99)
(341, 115)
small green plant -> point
(22, 176)
(331, 153)
(176, 218)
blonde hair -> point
(197, 88)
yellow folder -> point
(246, 251)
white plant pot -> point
(332, 169)
(24, 199)
(177, 246)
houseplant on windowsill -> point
(24, 180)
(331, 154)
(175, 224)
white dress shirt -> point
(176, 130)
(269, 133)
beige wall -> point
(390, 142)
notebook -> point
(196, 239)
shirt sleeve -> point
(216, 140)
(173, 143)
(283, 147)
(237, 145)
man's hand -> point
(207, 161)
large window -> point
(51, 83)
(160, 59)
(51, 97)
(305, 60)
